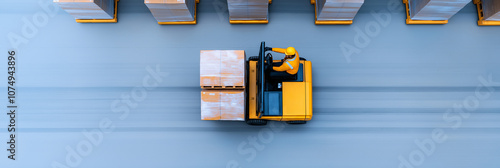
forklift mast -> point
(261, 79)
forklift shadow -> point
(274, 126)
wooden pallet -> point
(481, 21)
(224, 87)
(411, 21)
(114, 20)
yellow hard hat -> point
(290, 51)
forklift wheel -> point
(253, 58)
(296, 122)
(303, 59)
(256, 122)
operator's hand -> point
(268, 49)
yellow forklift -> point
(286, 98)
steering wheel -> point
(269, 60)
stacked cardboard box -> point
(491, 10)
(172, 10)
(222, 78)
(435, 9)
(223, 105)
(88, 9)
(248, 9)
(337, 9)
(222, 68)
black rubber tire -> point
(253, 58)
(303, 59)
(296, 122)
(256, 122)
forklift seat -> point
(281, 76)
(286, 77)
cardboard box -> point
(435, 9)
(210, 105)
(88, 9)
(248, 9)
(222, 68)
(337, 9)
(223, 105)
(491, 10)
(172, 10)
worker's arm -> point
(279, 50)
(284, 67)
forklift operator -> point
(291, 62)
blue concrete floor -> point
(407, 96)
